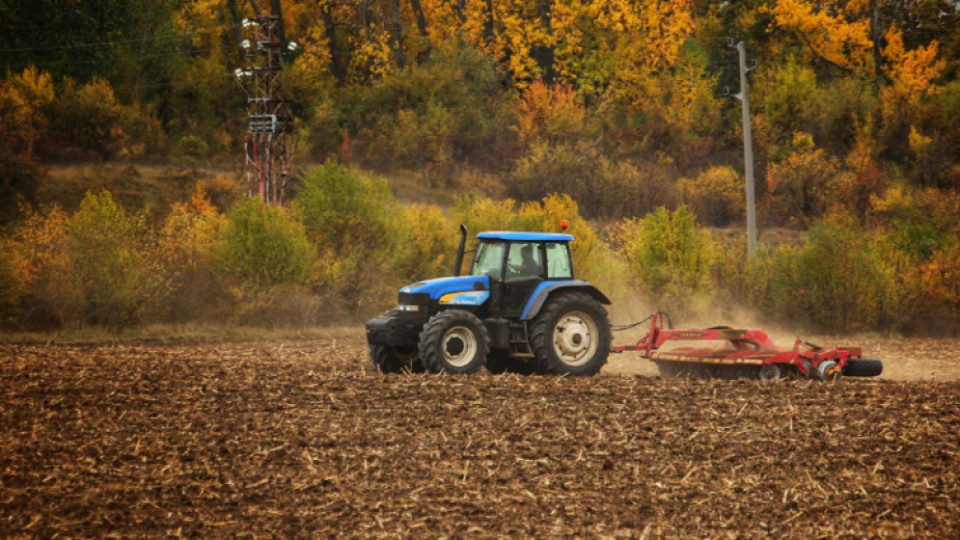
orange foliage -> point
(834, 38)
(549, 112)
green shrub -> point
(837, 281)
(192, 146)
(264, 246)
(121, 282)
(357, 227)
(670, 257)
(788, 104)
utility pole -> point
(269, 120)
(747, 147)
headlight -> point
(408, 307)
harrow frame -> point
(746, 353)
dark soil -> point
(304, 440)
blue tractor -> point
(519, 309)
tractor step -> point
(519, 343)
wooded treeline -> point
(621, 105)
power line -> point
(170, 37)
(89, 61)
(174, 83)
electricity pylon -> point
(269, 120)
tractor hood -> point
(463, 290)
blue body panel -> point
(440, 287)
(525, 236)
(540, 294)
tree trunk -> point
(397, 34)
(329, 32)
(875, 35)
(544, 54)
(422, 27)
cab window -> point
(558, 261)
(489, 259)
(523, 260)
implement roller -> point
(732, 353)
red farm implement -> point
(729, 353)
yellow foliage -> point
(716, 195)
(843, 42)
(428, 245)
(24, 99)
(190, 234)
(911, 72)
(919, 143)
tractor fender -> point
(542, 292)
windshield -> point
(489, 259)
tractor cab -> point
(519, 263)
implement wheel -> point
(825, 370)
(454, 341)
(863, 367)
(771, 372)
(571, 335)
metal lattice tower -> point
(267, 163)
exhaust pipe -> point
(463, 245)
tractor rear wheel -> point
(863, 367)
(392, 360)
(454, 341)
(571, 335)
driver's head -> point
(526, 252)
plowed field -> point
(302, 439)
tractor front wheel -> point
(571, 335)
(454, 341)
(392, 360)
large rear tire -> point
(863, 367)
(571, 335)
(454, 341)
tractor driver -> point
(528, 267)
